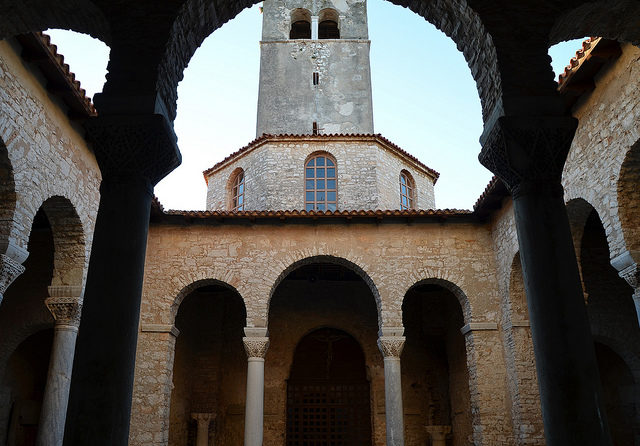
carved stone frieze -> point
(256, 347)
(139, 145)
(65, 310)
(391, 346)
(9, 271)
(528, 153)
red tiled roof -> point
(375, 137)
(321, 214)
(578, 59)
(37, 48)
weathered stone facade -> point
(448, 285)
(368, 173)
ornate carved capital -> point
(137, 145)
(391, 346)
(528, 153)
(632, 275)
(10, 269)
(256, 347)
(202, 417)
(65, 310)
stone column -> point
(314, 27)
(134, 152)
(202, 435)
(528, 154)
(438, 434)
(11, 259)
(391, 343)
(629, 270)
(65, 306)
(256, 343)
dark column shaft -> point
(528, 154)
(103, 369)
(565, 359)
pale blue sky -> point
(424, 99)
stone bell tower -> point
(315, 76)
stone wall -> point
(47, 153)
(608, 128)
(251, 258)
(368, 175)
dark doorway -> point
(328, 399)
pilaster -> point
(203, 420)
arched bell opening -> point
(210, 366)
(328, 391)
(323, 330)
(435, 379)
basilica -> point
(322, 298)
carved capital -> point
(203, 417)
(256, 347)
(528, 153)
(391, 346)
(65, 310)
(632, 275)
(135, 145)
(10, 269)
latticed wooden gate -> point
(328, 413)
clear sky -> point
(424, 99)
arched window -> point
(407, 189)
(321, 188)
(300, 24)
(237, 192)
(328, 24)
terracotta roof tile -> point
(37, 48)
(578, 59)
(376, 137)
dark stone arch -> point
(197, 19)
(629, 198)
(84, 16)
(611, 19)
(336, 261)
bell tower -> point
(315, 76)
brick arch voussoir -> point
(446, 279)
(190, 282)
(280, 269)
(611, 19)
(83, 16)
(628, 197)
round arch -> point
(333, 260)
(197, 19)
(611, 19)
(69, 262)
(450, 286)
(629, 198)
(185, 291)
